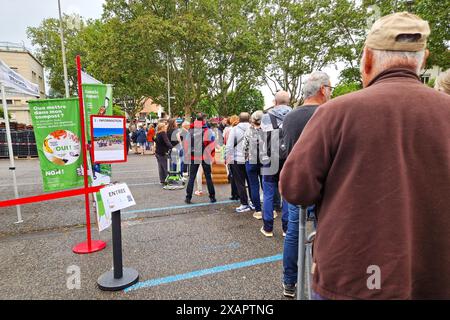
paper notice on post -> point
(117, 197)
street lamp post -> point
(168, 85)
(66, 82)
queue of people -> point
(371, 168)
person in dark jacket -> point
(377, 162)
(134, 135)
(199, 150)
(141, 139)
(128, 137)
(316, 91)
(163, 148)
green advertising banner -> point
(98, 101)
(56, 125)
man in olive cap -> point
(377, 162)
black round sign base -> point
(107, 282)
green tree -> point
(303, 38)
(239, 56)
(245, 100)
(46, 36)
(117, 111)
(2, 113)
(437, 13)
(207, 106)
(345, 88)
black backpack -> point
(197, 140)
(282, 149)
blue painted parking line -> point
(204, 272)
(180, 207)
(144, 184)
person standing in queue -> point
(163, 147)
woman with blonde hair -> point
(443, 82)
(163, 147)
(232, 122)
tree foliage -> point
(249, 100)
(47, 38)
(345, 88)
(218, 51)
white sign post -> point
(16, 84)
(117, 197)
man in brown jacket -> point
(377, 162)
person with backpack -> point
(316, 91)
(272, 126)
(200, 148)
(253, 145)
(236, 158)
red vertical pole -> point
(96, 245)
(84, 149)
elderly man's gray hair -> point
(313, 84)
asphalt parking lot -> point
(202, 251)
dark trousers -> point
(162, 167)
(234, 193)
(240, 176)
(193, 168)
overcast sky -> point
(17, 15)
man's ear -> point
(425, 58)
(323, 91)
(368, 61)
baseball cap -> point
(386, 33)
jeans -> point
(290, 250)
(254, 174)
(270, 188)
(193, 168)
(277, 200)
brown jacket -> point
(377, 162)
